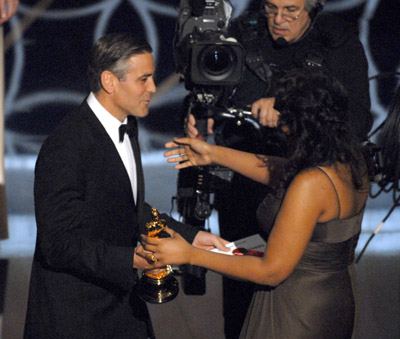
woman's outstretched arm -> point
(189, 152)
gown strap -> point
(334, 187)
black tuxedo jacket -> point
(83, 281)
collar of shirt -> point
(110, 123)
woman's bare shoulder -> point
(311, 176)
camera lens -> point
(217, 62)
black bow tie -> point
(125, 128)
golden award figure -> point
(157, 286)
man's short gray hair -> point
(111, 53)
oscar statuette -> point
(157, 286)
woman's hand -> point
(189, 152)
(168, 251)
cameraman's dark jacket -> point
(331, 43)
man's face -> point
(287, 19)
(133, 93)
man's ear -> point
(107, 81)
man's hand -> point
(191, 130)
(7, 9)
(209, 241)
(263, 110)
(141, 259)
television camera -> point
(206, 58)
(210, 64)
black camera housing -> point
(203, 54)
(208, 61)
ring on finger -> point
(153, 258)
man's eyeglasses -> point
(286, 13)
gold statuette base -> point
(158, 291)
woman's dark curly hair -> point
(313, 107)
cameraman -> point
(281, 36)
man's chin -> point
(277, 36)
(141, 114)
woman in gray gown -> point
(305, 277)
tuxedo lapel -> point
(132, 122)
(138, 160)
(107, 146)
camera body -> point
(208, 61)
(202, 16)
(204, 55)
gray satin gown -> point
(317, 299)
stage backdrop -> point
(47, 46)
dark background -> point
(46, 67)
(45, 71)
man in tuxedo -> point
(90, 209)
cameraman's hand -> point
(263, 110)
(190, 152)
(192, 132)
